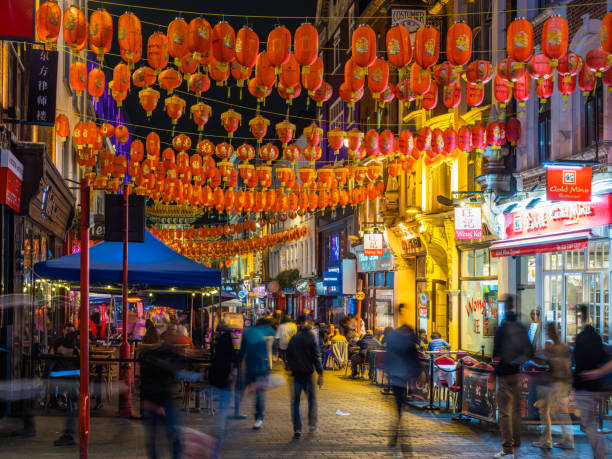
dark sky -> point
(237, 14)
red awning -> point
(554, 243)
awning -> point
(554, 243)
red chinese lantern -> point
(423, 142)
(107, 130)
(313, 134)
(378, 78)
(544, 89)
(178, 30)
(223, 43)
(502, 91)
(279, 46)
(100, 32)
(566, 86)
(598, 61)
(170, 79)
(554, 38)
(540, 67)
(96, 81)
(129, 36)
(335, 137)
(312, 153)
(205, 148)
(224, 150)
(459, 44)
(230, 120)
(137, 150)
(519, 40)
(77, 135)
(426, 46)
(247, 47)
(188, 65)
(510, 70)
(122, 134)
(479, 72)
(586, 80)
(451, 95)
(48, 22)
(292, 153)
(445, 74)
(240, 74)
(200, 113)
(175, 108)
(312, 78)
(62, 126)
(522, 89)
(363, 46)
(265, 74)
(89, 133)
(75, 28)
(474, 94)
(290, 73)
(354, 76)
(306, 45)
(405, 142)
(198, 83)
(496, 134)
(569, 64)
(157, 51)
(430, 98)
(259, 127)
(143, 76)
(464, 139)
(78, 77)
(371, 143)
(386, 142)
(420, 79)
(479, 138)
(181, 142)
(219, 71)
(199, 36)
(323, 94)
(268, 152)
(450, 141)
(399, 48)
(245, 152)
(513, 130)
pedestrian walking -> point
(221, 370)
(401, 365)
(511, 348)
(553, 407)
(303, 359)
(66, 369)
(590, 358)
(254, 353)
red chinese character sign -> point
(468, 223)
(11, 177)
(373, 244)
(568, 184)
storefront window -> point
(380, 279)
(553, 261)
(574, 259)
(478, 314)
(477, 263)
(599, 255)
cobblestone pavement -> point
(362, 434)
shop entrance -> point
(439, 303)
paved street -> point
(363, 434)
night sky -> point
(237, 14)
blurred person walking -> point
(558, 357)
(511, 348)
(303, 359)
(590, 358)
(402, 365)
(67, 370)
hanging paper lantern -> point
(405, 142)
(586, 80)
(522, 89)
(445, 74)
(363, 46)
(355, 139)
(224, 150)
(313, 135)
(540, 67)
(420, 79)
(479, 138)
(313, 78)
(335, 137)
(306, 45)
(220, 72)
(178, 30)
(137, 151)
(240, 73)
(247, 48)
(378, 78)
(285, 131)
(118, 96)
(75, 28)
(322, 95)
(290, 73)
(399, 48)
(496, 134)
(426, 46)
(502, 91)
(464, 139)
(386, 142)
(62, 126)
(513, 130)
(598, 61)
(48, 22)
(199, 37)
(188, 65)
(230, 120)
(437, 143)
(474, 94)
(554, 38)
(152, 144)
(129, 36)
(312, 153)
(107, 130)
(544, 89)
(77, 135)
(451, 95)
(519, 40)
(259, 127)
(136, 56)
(307, 175)
(245, 153)
(170, 79)
(205, 148)
(258, 91)
(372, 143)
(430, 98)
(198, 83)
(510, 70)
(292, 153)
(423, 142)
(78, 77)
(175, 108)
(143, 76)
(223, 43)
(157, 51)
(265, 73)
(89, 133)
(121, 77)
(450, 141)
(479, 72)
(264, 174)
(566, 86)
(268, 152)
(354, 76)
(404, 92)
(200, 113)
(122, 134)
(100, 32)
(569, 64)
(181, 142)
(459, 44)
(96, 81)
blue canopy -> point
(150, 263)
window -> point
(352, 20)
(336, 114)
(478, 263)
(553, 261)
(593, 116)
(337, 61)
(544, 131)
(599, 255)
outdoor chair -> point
(443, 379)
(339, 354)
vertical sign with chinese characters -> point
(41, 94)
(468, 223)
(373, 244)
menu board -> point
(478, 394)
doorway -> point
(440, 308)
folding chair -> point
(340, 354)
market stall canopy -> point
(150, 263)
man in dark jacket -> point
(303, 359)
(367, 343)
(402, 365)
(511, 348)
(590, 357)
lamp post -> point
(84, 321)
(125, 396)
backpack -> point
(516, 347)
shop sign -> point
(97, 228)
(373, 244)
(17, 20)
(413, 20)
(468, 223)
(41, 91)
(559, 218)
(369, 264)
(11, 179)
(478, 394)
(568, 184)
(302, 285)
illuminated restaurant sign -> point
(373, 244)
(568, 184)
(468, 223)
